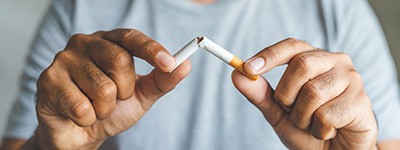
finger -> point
(140, 45)
(302, 68)
(117, 63)
(75, 105)
(151, 87)
(260, 93)
(275, 55)
(317, 92)
(64, 98)
(342, 114)
(97, 86)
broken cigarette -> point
(213, 48)
(186, 52)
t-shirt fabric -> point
(205, 111)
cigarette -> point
(225, 56)
(186, 52)
(216, 50)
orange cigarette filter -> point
(239, 66)
(224, 55)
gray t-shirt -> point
(205, 111)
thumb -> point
(151, 87)
(260, 93)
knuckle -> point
(126, 94)
(356, 79)
(322, 116)
(47, 77)
(81, 109)
(151, 47)
(356, 76)
(302, 64)
(77, 39)
(75, 107)
(103, 110)
(63, 57)
(282, 98)
(345, 58)
(123, 60)
(77, 36)
(107, 89)
(296, 44)
(100, 32)
(313, 91)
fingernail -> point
(256, 64)
(165, 59)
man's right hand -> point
(91, 91)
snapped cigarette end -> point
(239, 66)
(213, 48)
(199, 39)
(187, 51)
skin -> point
(119, 97)
(91, 92)
(319, 102)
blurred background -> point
(19, 20)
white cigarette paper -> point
(213, 48)
(216, 50)
(187, 51)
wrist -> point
(44, 140)
(36, 142)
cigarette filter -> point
(225, 56)
(214, 49)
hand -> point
(319, 102)
(91, 91)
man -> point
(94, 94)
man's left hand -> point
(319, 103)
